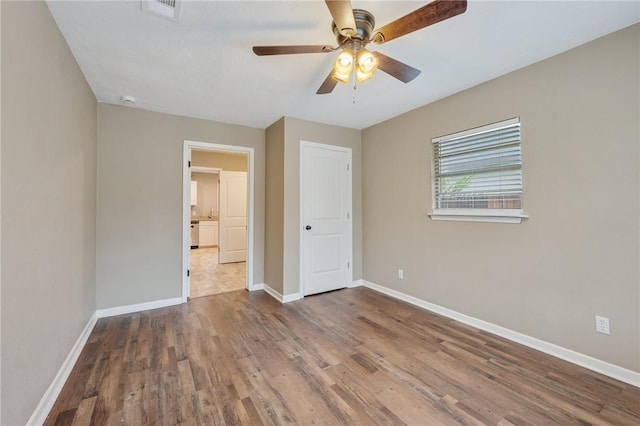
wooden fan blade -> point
(289, 50)
(342, 14)
(434, 12)
(328, 85)
(395, 68)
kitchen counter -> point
(198, 219)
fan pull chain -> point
(355, 86)
(355, 77)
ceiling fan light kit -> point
(342, 66)
(353, 29)
(363, 62)
(366, 64)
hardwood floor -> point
(348, 357)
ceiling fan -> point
(353, 29)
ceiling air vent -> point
(168, 9)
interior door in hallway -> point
(326, 217)
(233, 217)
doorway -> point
(206, 218)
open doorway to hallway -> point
(218, 222)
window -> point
(477, 174)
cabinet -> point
(208, 233)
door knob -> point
(308, 227)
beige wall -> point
(48, 205)
(274, 206)
(139, 225)
(0, 224)
(296, 130)
(221, 160)
(578, 254)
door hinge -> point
(348, 215)
(348, 265)
(347, 167)
(188, 272)
(189, 163)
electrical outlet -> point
(401, 274)
(602, 325)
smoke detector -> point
(168, 9)
(128, 100)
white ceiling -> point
(203, 66)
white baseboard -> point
(291, 297)
(282, 298)
(603, 367)
(256, 287)
(356, 283)
(119, 310)
(271, 292)
(296, 296)
(43, 408)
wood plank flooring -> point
(352, 356)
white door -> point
(233, 217)
(326, 217)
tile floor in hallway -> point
(209, 277)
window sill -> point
(485, 216)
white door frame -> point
(349, 206)
(186, 206)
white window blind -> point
(479, 169)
